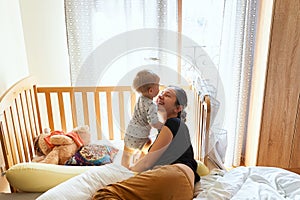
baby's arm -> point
(153, 118)
(157, 125)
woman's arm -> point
(158, 148)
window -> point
(108, 42)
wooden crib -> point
(26, 109)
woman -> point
(170, 159)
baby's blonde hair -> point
(144, 80)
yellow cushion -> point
(40, 177)
(202, 170)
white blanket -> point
(251, 183)
(265, 183)
(83, 186)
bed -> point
(26, 109)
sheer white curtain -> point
(91, 23)
(239, 34)
(95, 28)
(224, 30)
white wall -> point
(33, 42)
(46, 41)
(13, 60)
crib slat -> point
(18, 132)
(27, 130)
(201, 130)
(207, 125)
(62, 111)
(11, 157)
(132, 100)
(21, 132)
(73, 108)
(85, 109)
(109, 116)
(30, 114)
(197, 126)
(36, 109)
(98, 115)
(196, 130)
(11, 135)
(4, 144)
(49, 110)
(122, 116)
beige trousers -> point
(167, 182)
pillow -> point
(202, 170)
(40, 177)
(93, 155)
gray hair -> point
(181, 100)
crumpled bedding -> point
(267, 183)
(249, 183)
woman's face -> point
(167, 99)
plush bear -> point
(84, 133)
(57, 147)
(41, 148)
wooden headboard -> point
(19, 122)
(24, 107)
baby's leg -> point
(145, 148)
(127, 156)
(133, 148)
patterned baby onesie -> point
(138, 129)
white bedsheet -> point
(249, 183)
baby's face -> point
(155, 90)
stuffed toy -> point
(57, 147)
(41, 148)
(84, 133)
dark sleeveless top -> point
(180, 149)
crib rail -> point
(202, 126)
(86, 103)
(201, 112)
(25, 110)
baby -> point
(144, 117)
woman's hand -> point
(157, 149)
